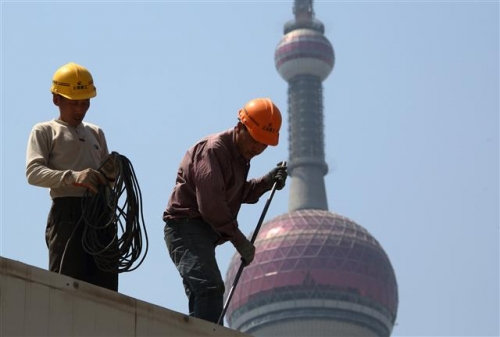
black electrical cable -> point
(114, 230)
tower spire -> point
(304, 17)
(304, 58)
(303, 9)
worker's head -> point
(72, 88)
(258, 127)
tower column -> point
(307, 166)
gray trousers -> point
(191, 244)
(63, 235)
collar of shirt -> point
(234, 147)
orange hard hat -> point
(262, 119)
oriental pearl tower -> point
(315, 273)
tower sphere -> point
(316, 265)
(304, 52)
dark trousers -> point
(191, 244)
(63, 235)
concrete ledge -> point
(36, 302)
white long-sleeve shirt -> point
(56, 148)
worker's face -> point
(247, 146)
(71, 111)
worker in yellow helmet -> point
(211, 186)
(64, 155)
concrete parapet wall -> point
(36, 302)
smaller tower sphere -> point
(304, 52)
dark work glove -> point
(278, 175)
(88, 178)
(247, 251)
(109, 166)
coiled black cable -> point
(115, 231)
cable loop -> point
(114, 229)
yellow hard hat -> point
(262, 118)
(74, 82)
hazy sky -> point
(411, 127)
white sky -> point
(411, 125)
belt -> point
(183, 220)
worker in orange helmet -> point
(71, 158)
(210, 187)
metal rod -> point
(254, 237)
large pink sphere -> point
(315, 254)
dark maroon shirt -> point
(212, 184)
